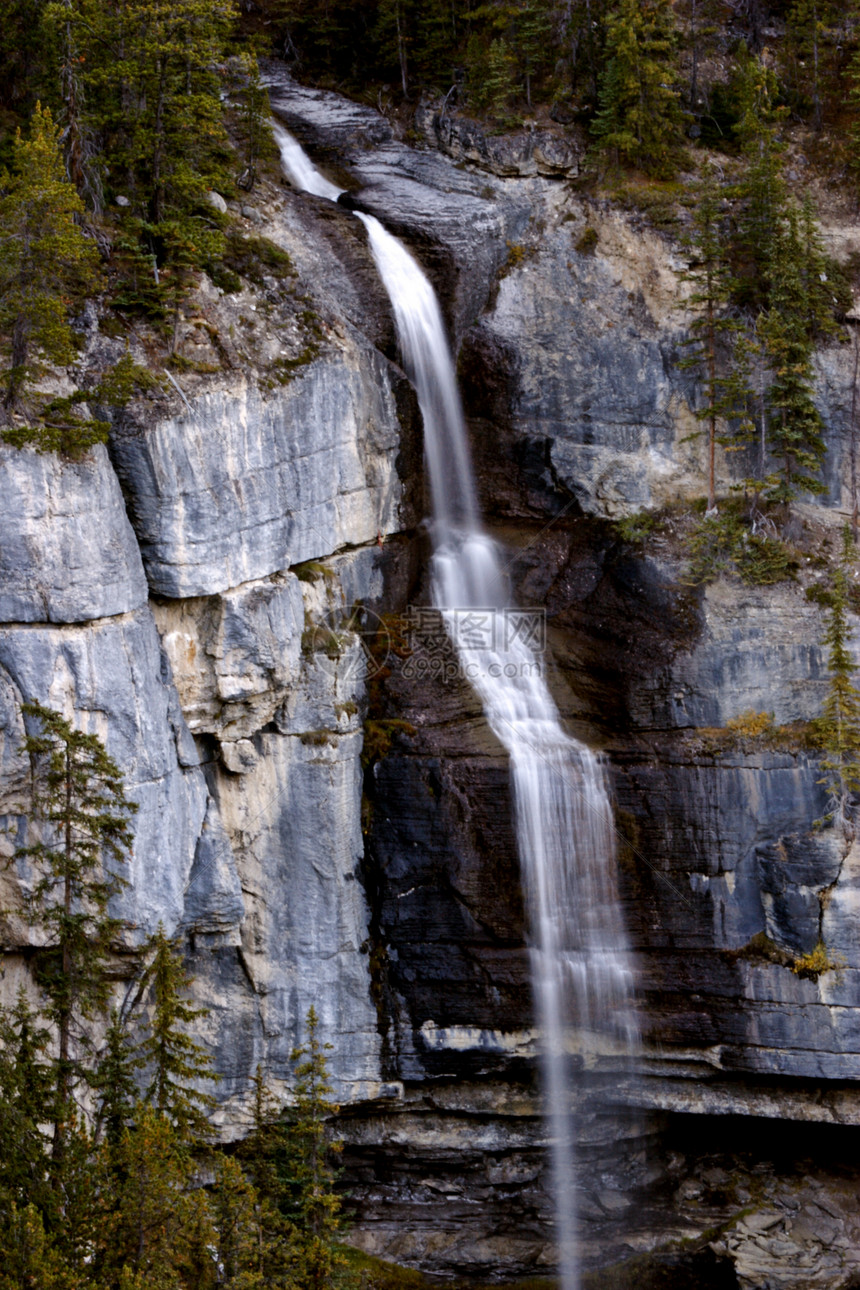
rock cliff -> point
(226, 594)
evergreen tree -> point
(255, 116)
(713, 329)
(702, 23)
(23, 55)
(266, 1156)
(174, 1061)
(533, 43)
(807, 54)
(585, 39)
(762, 191)
(116, 1082)
(241, 1238)
(145, 1238)
(839, 724)
(45, 260)
(640, 121)
(84, 817)
(795, 427)
(394, 31)
(28, 1260)
(316, 1205)
(26, 1085)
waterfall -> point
(581, 966)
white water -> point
(581, 968)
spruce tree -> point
(174, 1061)
(28, 1259)
(241, 1238)
(116, 1082)
(640, 121)
(84, 828)
(762, 192)
(145, 1238)
(266, 1156)
(315, 1203)
(26, 1086)
(807, 54)
(796, 437)
(713, 330)
(839, 724)
(45, 260)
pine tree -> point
(702, 24)
(266, 1156)
(116, 1082)
(28, 1260)
(762, 192)
(795, 427)
(44, 257)
(533, 44)
(807, 55)
(255, 117)
(316, 1205)
(174, 1061)
(713, 329)
(839, 724)
(84, 816)
(144, 1238)
(241, 1240)
(26, 1085)
(640, 121)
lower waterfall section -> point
(581, 967)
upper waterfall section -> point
(455, 216)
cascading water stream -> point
(581, 966)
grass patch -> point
(253, 258)
(375, 1274)
(661, 202)
(634, 529)
(812, 965)
(587, 243)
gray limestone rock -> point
(234, 657)
(294, 820)
(67, 550)
(244, 485)
(107, 679)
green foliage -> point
(151, 1216)
(116, 1081)
(175, 1063)
(810, 55)
(762, 191)
(60, 429)
(124, 381)
(28, 1259)
(255, 114)
(709, 274)
(313, 1201)
(587, 243)
(639, 121)
(26, 1088)
(795, 426)
(811, 966)
(255, 258)
(45, 260)
(838, 726)
(751, 724)
(636, 528)
(726, 543)
(84, 830)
